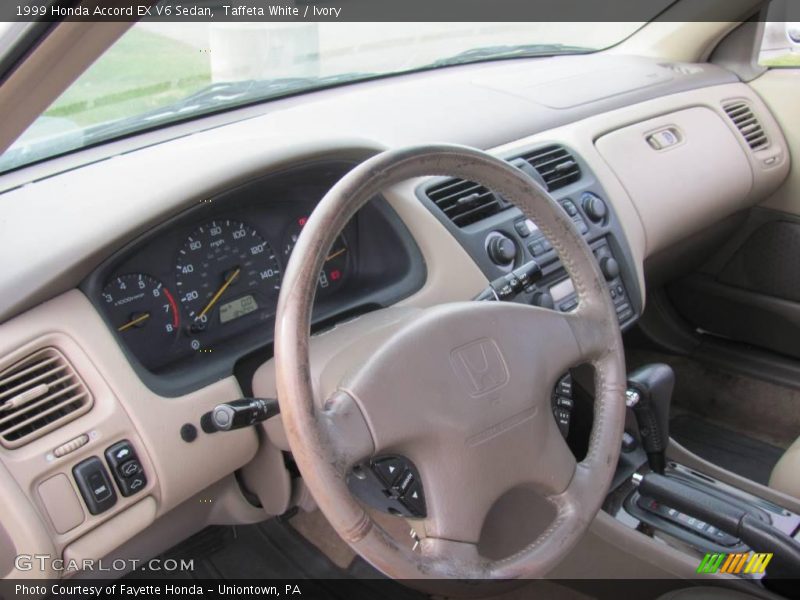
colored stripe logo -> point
(743, 562)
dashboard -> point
(196, 294)
(177, 284)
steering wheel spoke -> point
(346, 431)
(466, 478)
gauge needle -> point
(335, 254)
(219, 293)
(134, 322)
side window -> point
(780, 46)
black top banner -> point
(374, 10)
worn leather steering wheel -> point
(399, 381)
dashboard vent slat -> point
(465, 202)
(39, 394)
(557, 167)
(747, 123)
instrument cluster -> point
(199, 292)
(225, 271)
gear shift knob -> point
(649, 395)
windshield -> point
(159, 73)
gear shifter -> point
(649, 395)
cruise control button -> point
(99, 486)
(413, 499)
(405, 483)
(564, 402)
(95, 485)
(389, 469)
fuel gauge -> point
(335, 270)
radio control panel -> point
(502, 240)
(563, 293)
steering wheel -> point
(461, 389)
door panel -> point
(750, 291)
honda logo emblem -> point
(480, 366)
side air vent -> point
(39, 394)
(556, 165)
(746, 122)
(465, 202)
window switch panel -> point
(126, 468)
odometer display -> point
(237, 308)
(221, 263)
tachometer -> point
(226, 270)
(143, 311)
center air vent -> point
(746, 122)
(37, 395)
(465, 202)
(557, 167)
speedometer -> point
(226, 271)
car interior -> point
(527, 317)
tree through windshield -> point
(159, 73)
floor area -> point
(740, 423)
(728, 449)
(275, 550)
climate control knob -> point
(610, 268)
(595, 208)
(502, 250)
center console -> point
(728, 530)
(693, 531)
(500, 238)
